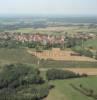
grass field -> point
(63, 90)
(66, 64)
(16, 56)
(91, 43)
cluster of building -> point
(85, 35)
(43, 38)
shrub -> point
(84, 75)
(14, 75)
(53, 74)
(84, 52)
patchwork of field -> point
(57, 30)
(21, 55)
(63, 90)
(57, 54)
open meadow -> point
(64, 91)
(91, 44)
(18, 55)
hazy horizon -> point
(48, 7)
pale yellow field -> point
(57, 54)
(89, 71)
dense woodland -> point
(24, 82)
(54, 74)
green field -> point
(17, 55)
(67, 64)
(63, 90)
(91, 43)
(24, 30)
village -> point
(44, 38)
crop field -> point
(63, 90)
(21, 55)
(56, 54)
(57, 30)
(24, 30)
